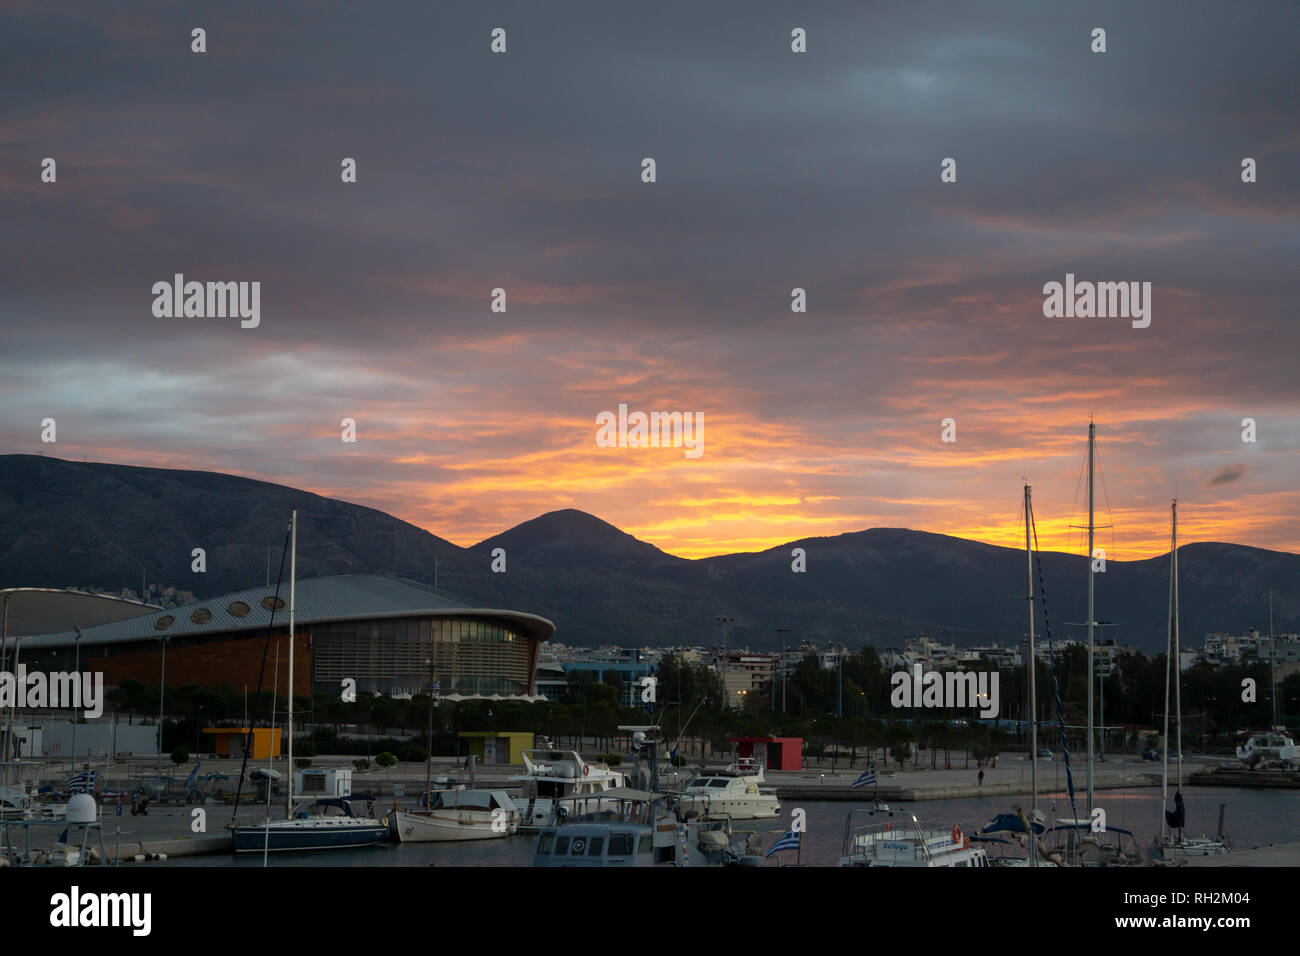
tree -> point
(900, 752)
(131, 696)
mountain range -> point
(67, 523)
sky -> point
(774, 170)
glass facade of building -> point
(391, 656)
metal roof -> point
(41, 610)
(343, 597)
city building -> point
(611, 665)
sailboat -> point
(1173, 844)
(1022, 829)
(1081, 844)
(314, 823)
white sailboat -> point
(1026, 830)
(1173, 844)
(1078, 842)
(456, 815)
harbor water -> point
(1255, 818)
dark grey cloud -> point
(775, 170)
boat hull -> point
(735, 809)
(276, 839)
(451, 826)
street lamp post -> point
(724, 621)
(162, 696)
(76, 670)
(782, 631)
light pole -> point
(724, 621)
(76, 670)
(839, 703)
(782, 631)
(162, 696)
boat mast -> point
(293, 580)
(1272, 658)
(1092, 438)
(1169, 645)
(1177, 662)
(6, 729)
(1034, 710)
(428, 762)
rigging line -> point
(1078, 482)
(261, 674)
(1110, 519)
(1051, 656)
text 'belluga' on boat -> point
(456, 815)
(552, 774)
(887, 844)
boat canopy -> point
(1008, 823)
(472, 799)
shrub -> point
(302, 763)
(362, 764)
(613, 760)
(385, 759)
(413, 754)
(180, 755)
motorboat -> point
(1272, 748)
(736, 793)
(455, 815)
(550, 775)
(888, 844)
(620, 827)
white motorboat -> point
(736, 793)
(884, 844)
(456, 815)
(1273, 748)
(550, 775)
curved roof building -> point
(389, 635)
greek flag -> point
(82, 782)
(867, 778)
(788, 842)
(436, 687)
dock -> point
(1243, 777)
(1287, 854)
